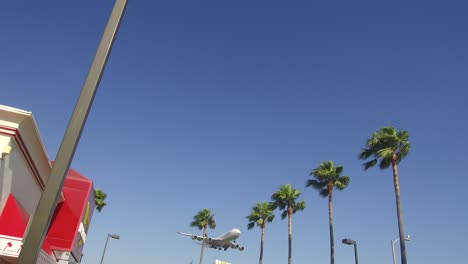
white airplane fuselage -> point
(230, 235)
(224, 241)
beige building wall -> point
(24, 165)
(22, 180)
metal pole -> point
(45, 208)
(393, 249)
(355, 252)
(104, 252)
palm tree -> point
(390, 147)
(285, 198)
(327, 178)
(202, 220)
(261, 214)
(99, 197)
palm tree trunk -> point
(261, 243)
(330, 222)
(203, 245)
(396, 183)
(289, 234)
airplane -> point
(225, 241)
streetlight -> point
(407, 238)
(351, 242)
(114, 236)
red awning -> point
(14, 218)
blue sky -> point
(215, 104)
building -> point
(24, 169)
(221, 262)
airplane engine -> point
(209, 239)
(194, 237)
(241, 248)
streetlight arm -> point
(355, 253)
(114, 236)
(104, 251)
(407, 238)
(348, 241)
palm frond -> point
(338, 170)
(331, 174)
(99, 197)
(365, 153)
(389, 130)
(286, 197)
(251, 225)
(272, 206)
(203, 219)
(212, 223)
(324, 171)
(270, 218)
(195, 224)
(324, 192)
(300, 206)
(403, 135)
(260, 222)
(284, 214)
(100, 205)
(383, 144)
(318, 185)
(385, 163)
(296, 194)
(374, 139)
(278, 199)
(370, 164)
(342, 182)
(260, 212)
(403, 152)
(385, 153)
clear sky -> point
(215, 104)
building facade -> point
(24, 169)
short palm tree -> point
(99, 197)
(202, 220)
(261, 214)
(327, 178)
(285, 199)
(390, 147)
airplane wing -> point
(234, 245)
(194, 237)
(207, 245)
(215, 243)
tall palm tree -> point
(202, 220)
(261, 214)
(390, 147)
(327, 178)
(285, 198)
(99, 197)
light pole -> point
(407, 238)
(351, 242)
(114, 236)
(40, 220)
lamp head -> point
(348, 241)
(114, 236)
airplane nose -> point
(236, 230)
